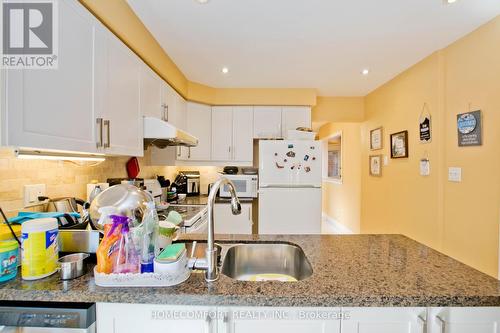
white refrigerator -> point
(290, 187)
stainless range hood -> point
(162, 134)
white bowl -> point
(181, 197)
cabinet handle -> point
(107, 144)
(442, 323)
(250, 215)
(189, 152)
(208, 324)
(99, 132)
(423, 321)
(165, 111)
(178, 151)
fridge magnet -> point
(306, 158)
(314, 158)
(279, 166)
(285, 160)
(376, 165)
(424, 127)
(307, 169)
(290, 154)
(290, 146)
(376, 139)
(312, 147)
(399, 144)
(275, 154)
(469, 129)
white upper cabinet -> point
(178, 116)
(222, 132)
(199, 121)
(243, 133)
(53, 109)
(119, 88)
(151, 93)
(294, 117)
(267, 122)
(232, 134)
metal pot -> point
(66, 205)
(72, 266)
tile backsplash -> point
(63, 178)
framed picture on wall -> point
(376, 138)
(399, 144)
(376, 165)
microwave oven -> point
(245, 185)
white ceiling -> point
(322, 44)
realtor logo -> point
(29, 34)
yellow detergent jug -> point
(39, 248)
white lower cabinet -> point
(227, 223)
(134, 318)
(384, 320)
(278, 320)
(464, 320)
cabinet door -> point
(133, 318)
(222, 131)
(123, 128)
(53, 109)
(267, 122)
(464, 320)
(199, 124)
(273, 320)
(295, 116)
(176, 109)
(227, 223)
(243, 134)
(383, 320)
(151, 93)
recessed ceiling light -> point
(365, 71)
(202, 1)
(225, 70)
(448, 2)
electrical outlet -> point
(455, 174)
(32, 192)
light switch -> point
(455, 174)
(32, 192)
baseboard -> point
(337, 226)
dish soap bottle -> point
(148, 236)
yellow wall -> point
(342, 201)
(338, 109)
(460, 219)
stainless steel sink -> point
(266, 262)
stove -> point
(194, 217)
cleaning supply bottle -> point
(127, 259)
(148, 237)
(107, 250)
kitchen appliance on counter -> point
(187, 182)
(245, 185)
(230, 170)
(290, 175)
(153, 186)
(47, 317)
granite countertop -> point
(349, 270)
